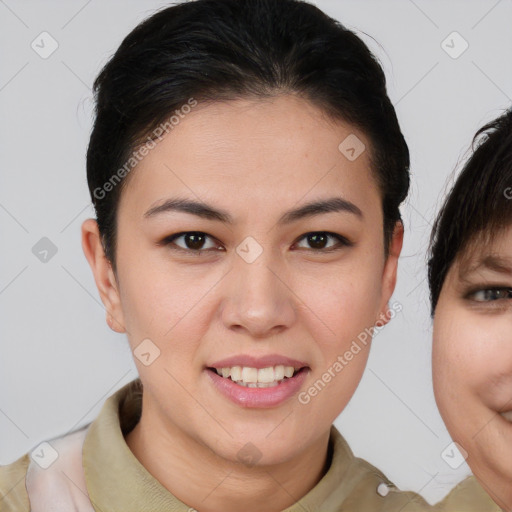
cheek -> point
(156, 297)
(472, 359)
(456, 354)
(342, 341)
(348, 306)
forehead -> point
(251, 152)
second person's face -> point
(472, 363)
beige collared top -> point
(117, 482)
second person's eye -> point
(491, 294)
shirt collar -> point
(117, 481)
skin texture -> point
(472, 364)
(256, 159)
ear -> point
(389, 274)
(103, 275)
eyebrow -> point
(205, 211)
(492, 262)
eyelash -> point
(343, 242)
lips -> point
(258, 381)
(258, 397)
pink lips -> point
(258, 397)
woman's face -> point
(472, 362)
(277, 286)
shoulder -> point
(376, 492)
(13, 493)
(362, 486)
(370, 489)
(469, 496)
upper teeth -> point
(247, 375)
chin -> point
(256, 451)
(490, 461)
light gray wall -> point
(59, 361)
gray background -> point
(59, 360)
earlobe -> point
(384, 317)
(103, 275)
(114, 324)
(389, 276)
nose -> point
(257, 298)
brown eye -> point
(319, 240)
(193, 241)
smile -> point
(248, 391)
(257, 378)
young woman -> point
(247, 168)
(470, 275)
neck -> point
(171, 456)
